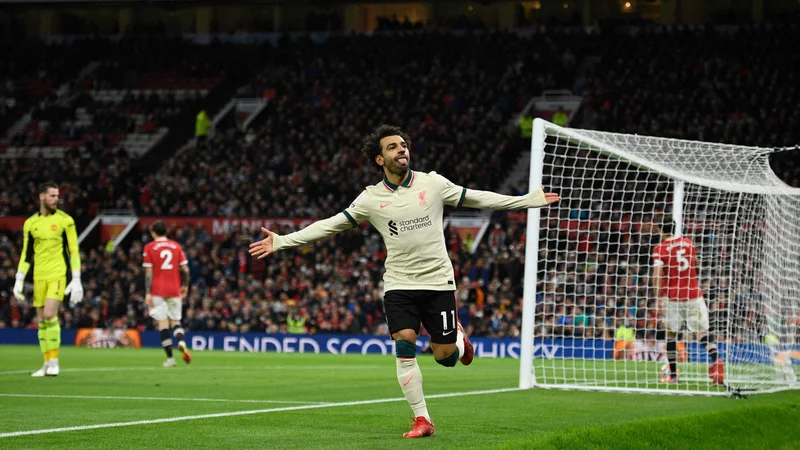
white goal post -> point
(589, 313)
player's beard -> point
(49, 209)
(395, 169)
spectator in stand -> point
(202, 125)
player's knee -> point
(450, 361)
(405, 349)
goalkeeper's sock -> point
(53, 334)
(166, 342)
(672, 356)
(710, 348)
(410, 378)
(178, 332)
(43, 346)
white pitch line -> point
(242, 413)
(264, 368)
(171, 399)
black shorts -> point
(436, 310)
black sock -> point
(710, 348)
(672, 356)
(166, 342)
(177, 330)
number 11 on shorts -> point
(444, 318)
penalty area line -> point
(244, 413)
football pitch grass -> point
(123, 398)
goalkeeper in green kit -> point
(43, 244)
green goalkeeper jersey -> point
(47, 251)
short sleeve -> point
(358, 211)
(452, 194)
(146, 262)
(658, 258)
(182, 258)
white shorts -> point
(169, 307)
(693, 313)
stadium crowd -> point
(159, 78)
(303, 161)
(726, 85)
(333, 286)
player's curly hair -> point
(372, 141)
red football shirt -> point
(165, 256)
(678, 259)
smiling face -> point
(49, 200)
(395, 156)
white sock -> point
(183, 343)
(460, 343)
(410, 379)
(53, 362)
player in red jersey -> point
(680, 300)
(166, 275)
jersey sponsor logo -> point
(396, 228)
(415, 224)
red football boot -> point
(187, 357)
(420, 428)
(469, 351)
(716, 372)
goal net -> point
(590, 316)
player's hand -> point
(149, 300)
(19, 285)
(551, 197)
(75, 291)
(263, 247)
(661, 303)
(184, 291)
(540, 198)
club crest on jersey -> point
(422, 200)
(53, 228)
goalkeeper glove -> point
(18, 286)
(75, 289)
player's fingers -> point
(266, 231)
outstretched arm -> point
(492, 200)
(312, 233)
(455, 195)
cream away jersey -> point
(409, 217)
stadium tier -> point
(278, 207)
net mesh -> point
(596, 321)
